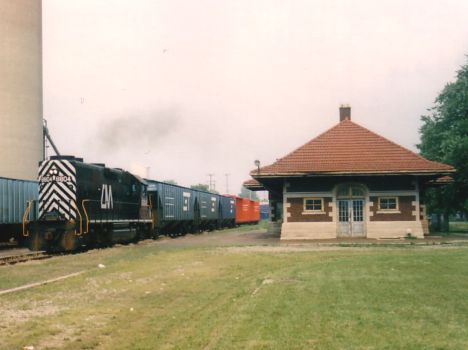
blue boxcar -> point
(264, 211)
(14, 195)
(227, 211)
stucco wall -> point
(20, 88)
(308, 230)
(394, 229)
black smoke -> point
(138, 132)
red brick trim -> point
(295, 211)
(405, 207)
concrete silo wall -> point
(20, 88)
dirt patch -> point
(262, 240)
(285, 249)
(13, 315)
(316, 247)
(218, 238)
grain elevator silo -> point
(20, 88)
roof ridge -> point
(348, 146)
(304, 144)
(394, 143)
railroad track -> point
(19, 257)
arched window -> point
(350, 191)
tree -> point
(203, 187)
(444, 138)
(170, 182)
(200, 187)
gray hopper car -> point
(179, 210)
(14, 198)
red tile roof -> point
(349, 148)
(253, 184)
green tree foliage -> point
(203, 187)
(200, 187)
(444, 138)
(171, 182)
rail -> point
(22, 257)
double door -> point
(351, 218)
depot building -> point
(348, 182)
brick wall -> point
(405, 206)
(296, 207)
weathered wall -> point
(20, 88)
(394, 229)
(299, 225)
(308, 230)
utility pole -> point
(212, 183)
(227, 183)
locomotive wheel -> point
(68, 241)
(36, 242)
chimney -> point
(345, 112)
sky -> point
(182, 89)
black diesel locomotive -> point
(87, 205)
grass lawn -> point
(458, 226)
(162, 297)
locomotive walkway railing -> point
(81, 220)
(85, 213)
(26, 217)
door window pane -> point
(343, 215)
(357, 211)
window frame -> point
(388, 210)
(313, 211)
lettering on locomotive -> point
(106, 197)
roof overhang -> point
(443, 180)
(260, 175)
(253, 185)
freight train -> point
(83, 205)
(14, 194)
